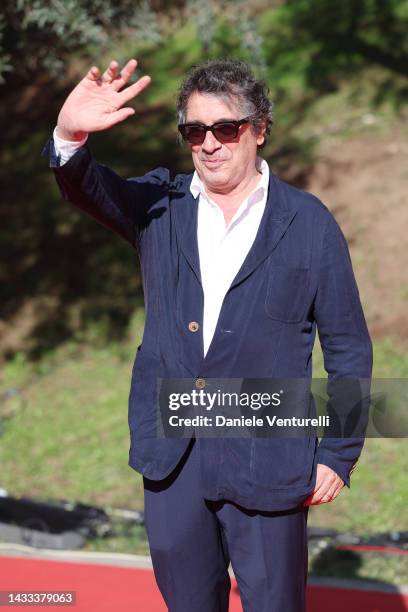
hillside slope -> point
(364, 181)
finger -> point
(320, 494)
(312, 496)
(337, 488)
(125, 74)
(93, 74)
(110, 72)
(335, 494)
(325, 499)
(312, 500)
(133, 90)
(320, 489)
(324, 482)
(330, 493)
(315, 501)
(119, 115)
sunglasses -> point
(224, 131)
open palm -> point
(97, 102)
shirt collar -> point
(197, 186)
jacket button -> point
(200, 383)
(193, 326)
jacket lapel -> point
(185, 210)
(274, 223)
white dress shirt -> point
(222, 249)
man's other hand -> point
(328, 486)
(96, 103)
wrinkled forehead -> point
(209, 108)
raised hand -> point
(97, 103)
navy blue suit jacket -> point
(297, 276)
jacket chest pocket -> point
(287, 293)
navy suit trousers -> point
(192, 541)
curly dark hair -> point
(233, 80)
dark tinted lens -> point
(225, 131)
(193, 133)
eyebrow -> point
(222, 120)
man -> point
(238, 270)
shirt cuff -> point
(65, 149)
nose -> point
(210, 143)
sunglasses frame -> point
(211, 128)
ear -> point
(260, 139)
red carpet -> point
(103, 588)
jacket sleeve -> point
(347, 351)
(120, 204)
